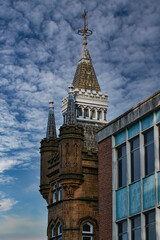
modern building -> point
(129, 174)
(69, 163)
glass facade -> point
(137, 175)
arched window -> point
(93, 113)
(80, 112)
(87, 231)
(87, 112)
(53, 232)
(99, 114)
(59, 231)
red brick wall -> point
(105, 189)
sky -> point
(39, 52)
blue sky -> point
(39, 52)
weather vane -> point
(85, 32)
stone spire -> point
(85, 77)
(71, 111)
(51, 127)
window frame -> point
(149, 225)
(133, 160)
(88, 234)
(146, 157)
(121, 234)
(56, 192)
(133, 229)
(123, 158)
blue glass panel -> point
(147, 122)
(121, 137)
(133, 130)
(149, 193)
(135, 198)
(158, 116)
(158, 187)
(121, 203)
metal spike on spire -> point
(71, 110)
(51, 126)
(85, 32)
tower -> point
(69, 163)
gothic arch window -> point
(86, 113)
(56, 232)
(59, 231)
(87, 231)
(53, 232)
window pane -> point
(148, 137)
(135, 159)
(87, 238)
(122, 166)
(60, 194)
(53, 232)
(149, 152)
(135, 165)
(124, 236)
(135, 143)
(86, 228)
(54, 196)
(150, 226)
(124, 226)
(80, 111)
(150, 217)
(136, 228)
(122, 230)
(149, 158)
(151, 233)
(59, 228)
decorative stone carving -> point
(69, 190)
(54, 158)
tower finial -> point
(51, 126)
(85, 32)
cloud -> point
(6, 165)
(7, 204)
(4, 179)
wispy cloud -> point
(6, 204)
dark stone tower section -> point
(71, 144)
(49, 153)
